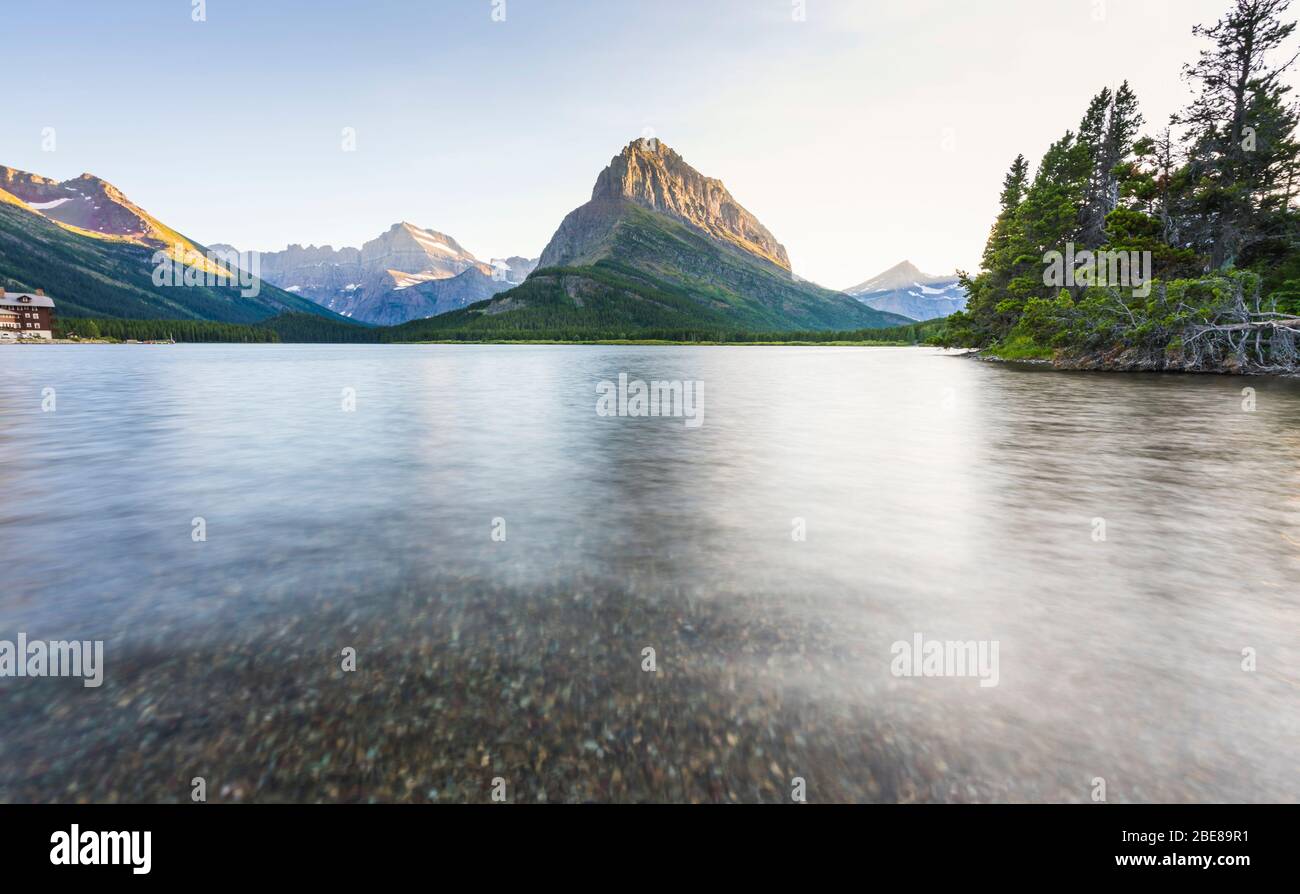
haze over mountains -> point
(406, 273)
(903, 289)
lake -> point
(499, 557)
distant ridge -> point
(406, 273)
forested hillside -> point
(1206, 202)
(94, 275)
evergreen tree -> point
(1091, 139)
(1051, 214)
(1123, 123)
(1107, 133)
(1239, 128)
(1223, 198)
(1014, 186)
(1152, 182)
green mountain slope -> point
(649, 271)
(103, 276)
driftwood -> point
(1292, 323)
(1246, 336)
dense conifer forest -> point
(1173, 247)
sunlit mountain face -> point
(661, 245)
(98, 253)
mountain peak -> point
(904, 268)
(903, 289)
(88, 203)
(655, 151)
(902, 275)
(649, 173)
(647, 146)
(406, 272)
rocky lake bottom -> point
(834, 503)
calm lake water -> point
(940, 496)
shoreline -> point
(650, 342)
(91, 341)
(1090, 364)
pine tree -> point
(1091, 139)
(1240, 99)
(1107, 133)
(1051, 214)
(1221, 195)
(1014, 186)
(1154, 183)
(1123, 123)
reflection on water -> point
(940, 495)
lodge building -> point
(24, 315)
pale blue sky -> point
(871, 132)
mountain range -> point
(658, 247)
(407, 273)
(903, 289)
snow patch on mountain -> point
(904, 289)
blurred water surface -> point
(941, 495)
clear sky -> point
(871, 132)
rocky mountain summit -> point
(88, 205)
(406, 273)
(660, 247)
(650, 174)
(85, 202)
